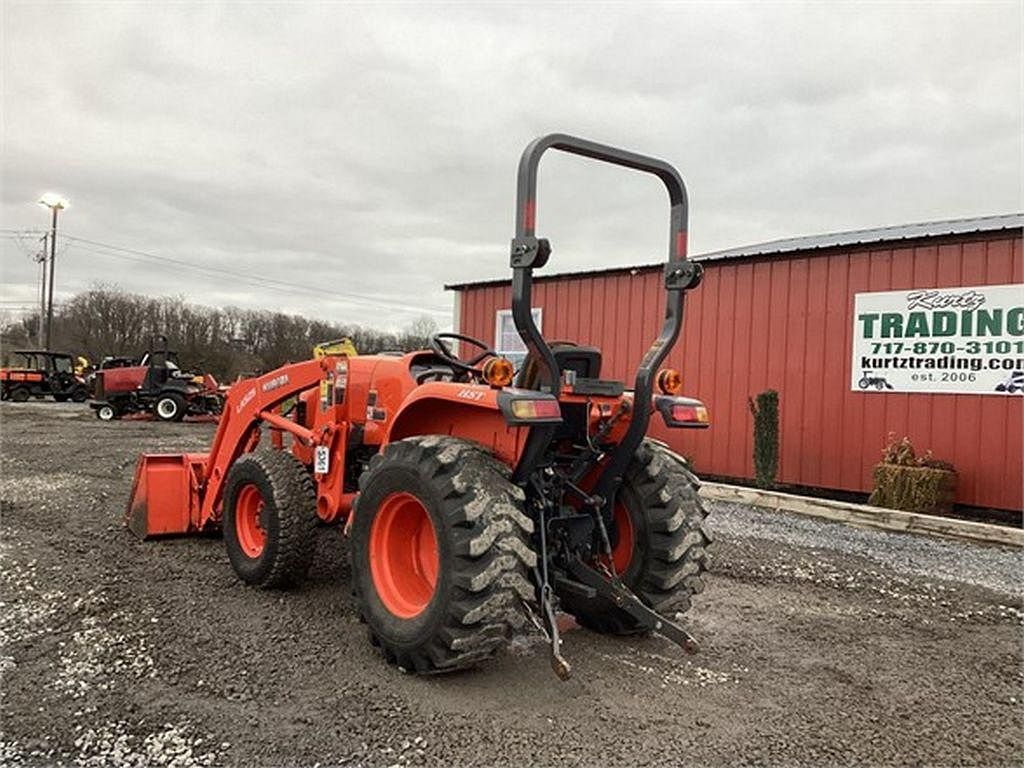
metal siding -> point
(724, 321)
(758, 375)
(815, 364)
(853, 405)
(741, 375)
(620, 370)
(1014, 426)
(792, 417)
(785, 323)
(836, 376)
(999, 269)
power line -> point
(132, 254)
(274, 285)
(29, 249)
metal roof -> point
(878, 235)
(853, 237)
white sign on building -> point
(956, 340)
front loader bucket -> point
(165, 494)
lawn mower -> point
(155, 384)
(476, 498)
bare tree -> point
(416, 335)
(107, 320)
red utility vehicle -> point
(40, 373)
(476, 499)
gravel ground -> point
(821, 644)
(996, 568)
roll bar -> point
(530, 252)
(527, 183)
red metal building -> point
(780, 316)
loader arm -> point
(181, 493)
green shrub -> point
(765, 410)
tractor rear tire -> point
(20, 395)
(270, 519)
(170, 407)
(79, 395)
(441, 554)
(660, 547)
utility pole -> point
(54, 203)
(53, 268)
(40, 259)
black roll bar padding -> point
(529, 252)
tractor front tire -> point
(270, 519)
(106, 412)
(441, 554)
(659, 542)
(170, 407)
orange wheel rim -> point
(248, 520)
(403, 555)
(622, 552)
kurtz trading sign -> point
(960, 340)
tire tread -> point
(294, 498)
(491, 553)
(678, 541)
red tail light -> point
(682, 412)
(690, 413)
(527, 407)
(532, 410)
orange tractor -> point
(476, 498)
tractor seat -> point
(570, 356)
(427, 367)
(421, 374)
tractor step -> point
(165, 494)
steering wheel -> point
(441, 349)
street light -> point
(55, 203)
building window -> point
(507, 342)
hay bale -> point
(927, 490)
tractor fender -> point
(469, 411)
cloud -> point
(370, 150)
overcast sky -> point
(366, 153)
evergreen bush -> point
(765, 410)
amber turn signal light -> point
(498, 372)
(670, 381)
